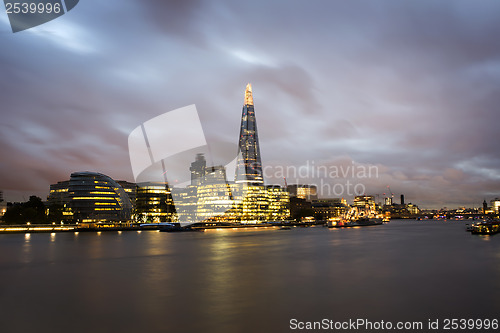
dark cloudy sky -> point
(411, 87)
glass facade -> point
(154, 203)
(59, 193)
(249, 165)
(307, 192)
(214, 197)
(95, 197)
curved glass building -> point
(95, 197)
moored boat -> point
(176, 227)
(486, 228)
(361, 222)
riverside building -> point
(96, 198)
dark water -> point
(246, 280)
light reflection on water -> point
(246, 280)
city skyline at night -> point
(410, 89)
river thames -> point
(248, 280)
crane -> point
(390, 192)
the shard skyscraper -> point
(249, 166)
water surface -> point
(246, 280)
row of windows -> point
(93, 198)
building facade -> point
(365, 201)
(3, 205)
(59, 193)
(198, 169)
(495, 205)
(325, 209)
(95, 198)
(306, 192)
(154, 203)
(215, 200)
(279, 203)
(131, 191)
(249, 165)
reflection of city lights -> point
(27, 236)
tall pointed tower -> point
(249, 167)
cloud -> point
(411, 87)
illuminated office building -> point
(325, 209)
(279, 203)
(59, 199)
(307, 192)
(198, 169)
(130, 189)
(495, 205)
(3, 208)
(154, 203)
(215, 196)
(59, 193)
(252, 203)
(185, 201)
(95, 197)
(249, 165)
(365, 201)
(3, 205)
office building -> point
(279, 203)
(365, 201)
(3, 205)
(95, 198)
(325, 209)
(198, 169)
(495, 204)
(215, 200)
(154, 203)
(131, 191)
(59, 200)
(59, 193)
(306, 192)
(249, 165)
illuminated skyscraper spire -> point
(248, 95)
(249, 167)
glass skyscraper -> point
(249, 166)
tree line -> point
(33, 211)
